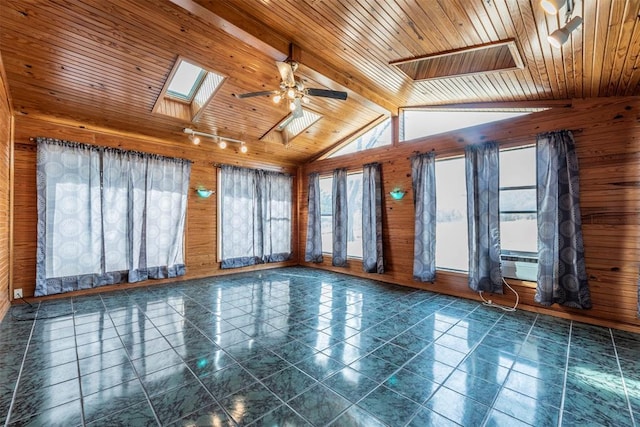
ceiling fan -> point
(292, 90)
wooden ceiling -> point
(104, 63)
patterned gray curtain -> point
(340, 218)
(482, 167)
(255, 215)
(423, 177)
(313, 247)
(107, 216)
(562, 275)
(372, 254)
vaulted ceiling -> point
(105, 63)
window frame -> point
(329, 251)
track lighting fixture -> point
(222, 141)
(561, 35)
(552, 6)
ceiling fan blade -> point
(297, 111)
(286, 72)
(335, 94)
(252, 94)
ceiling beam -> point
(266, 40)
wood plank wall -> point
(6, 121)
(607, 133)
(201, 228)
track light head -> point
(243, 148)
(561, 35)
(222, 144)
(552, 6)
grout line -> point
(24, 358)
(624, 383)
(566, 375)
(75, 339)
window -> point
(377, 136)
(255, 216)
(417, 123)
(107, 216)
(290, 127)
(188, 91)
(354, 208)
(518, 213)
(185, 81)
(452, 246)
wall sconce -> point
(222, 141)
(204, 193)
(397, 194)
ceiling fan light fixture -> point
(552, 6)
(292, 106)
(277, 99)
(291, 93)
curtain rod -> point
(273, 169)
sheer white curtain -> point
(255, 216)
(106, 216)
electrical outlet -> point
(17, 293)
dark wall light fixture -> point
(222, 141)
(561, 35)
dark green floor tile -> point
(251, 403)
(138, 415)
(32, 401)
(107, 378)
(350, 383)
(180, 401)
(457, 407)
(227, 381)
(389, 406)
(527, 409)
(411, 385)
(319, 366)
(499, 419)
(165, 379)
(288, 383)
(282, 416)
(111, 400)
(66, 415)
(427, 418)
(357, 417)
(319, 405)
(264, 365)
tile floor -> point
(299, 347)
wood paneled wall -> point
(607, 133)
(201, 227)
(6, 121)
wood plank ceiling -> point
(104, 63)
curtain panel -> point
(562, 274)
(372, 247)
(255, 215)
(340, 218)
(482, 168)
(313, 247)
(107, 216)
(423, 179)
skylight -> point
(377, 136)
(187, 91)
(417, 123)
(290, 127)
(185, 81)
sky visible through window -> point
(420, 123)
(185, 81)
